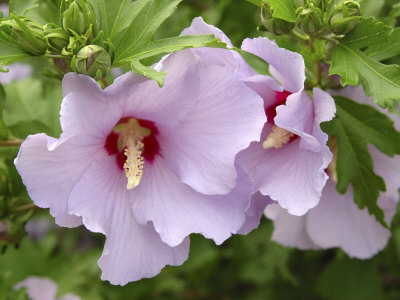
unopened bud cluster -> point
(74, 40)
(314, 18)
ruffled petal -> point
(49, 169)
(213, 56)
(289, 175)
(338, 222)
(289, 230)
(38, 288)
(87, 109)
(132, 251)
(254, 211)
(227, 117)
(177, 210)
(286, 66)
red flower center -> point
(142, 131)
(270, 111)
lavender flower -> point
(147, 166)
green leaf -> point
(348, 279)
(354, 126)
(387, 50)
(141, 69)
(115, 16)
(282, 9)
(42, 11)
(20, 7)
(177, 43)
(256, 2)
(141, 31)
(254, 61)
(380, 81)
(41, 105)
(9, 52)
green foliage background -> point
(244, 267)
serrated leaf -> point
(354, 126)
(141, 31)
(387, 50)
(149, 72)
(367, 33)
(380, 81)
(282, 9)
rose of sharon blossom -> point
(147, 166)
(289, 162)
(40, 288)
(337, 221)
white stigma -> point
(133, 165)
(277, 138)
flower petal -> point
(289, 175)
(227, 117)
(286, 66)
(38, 288)
(177, 210)
(49, 169)
(87, 109)
(338, 222)
(132, 251)
(254, 211)
(289, 230)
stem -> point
(299, 36)
(25, 207)
(104, 82)
(10, 143)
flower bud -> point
(345, 17)
(28, 33)
(92, 60)
(79, 18)
(56, 38)
(310, 18)
(274, 25)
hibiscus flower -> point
(289, 162)
(337, 221)
(147, 166)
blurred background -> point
(244, 267)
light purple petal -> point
(132, 251)
(177, 210)
(254, 212)
(338, 222)
(49, 169)
(286, 66)
(291, 176)
(38, 288)
(16, 71)
(87, 109)
(227, 117)
(289, 230)
(213, 56)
